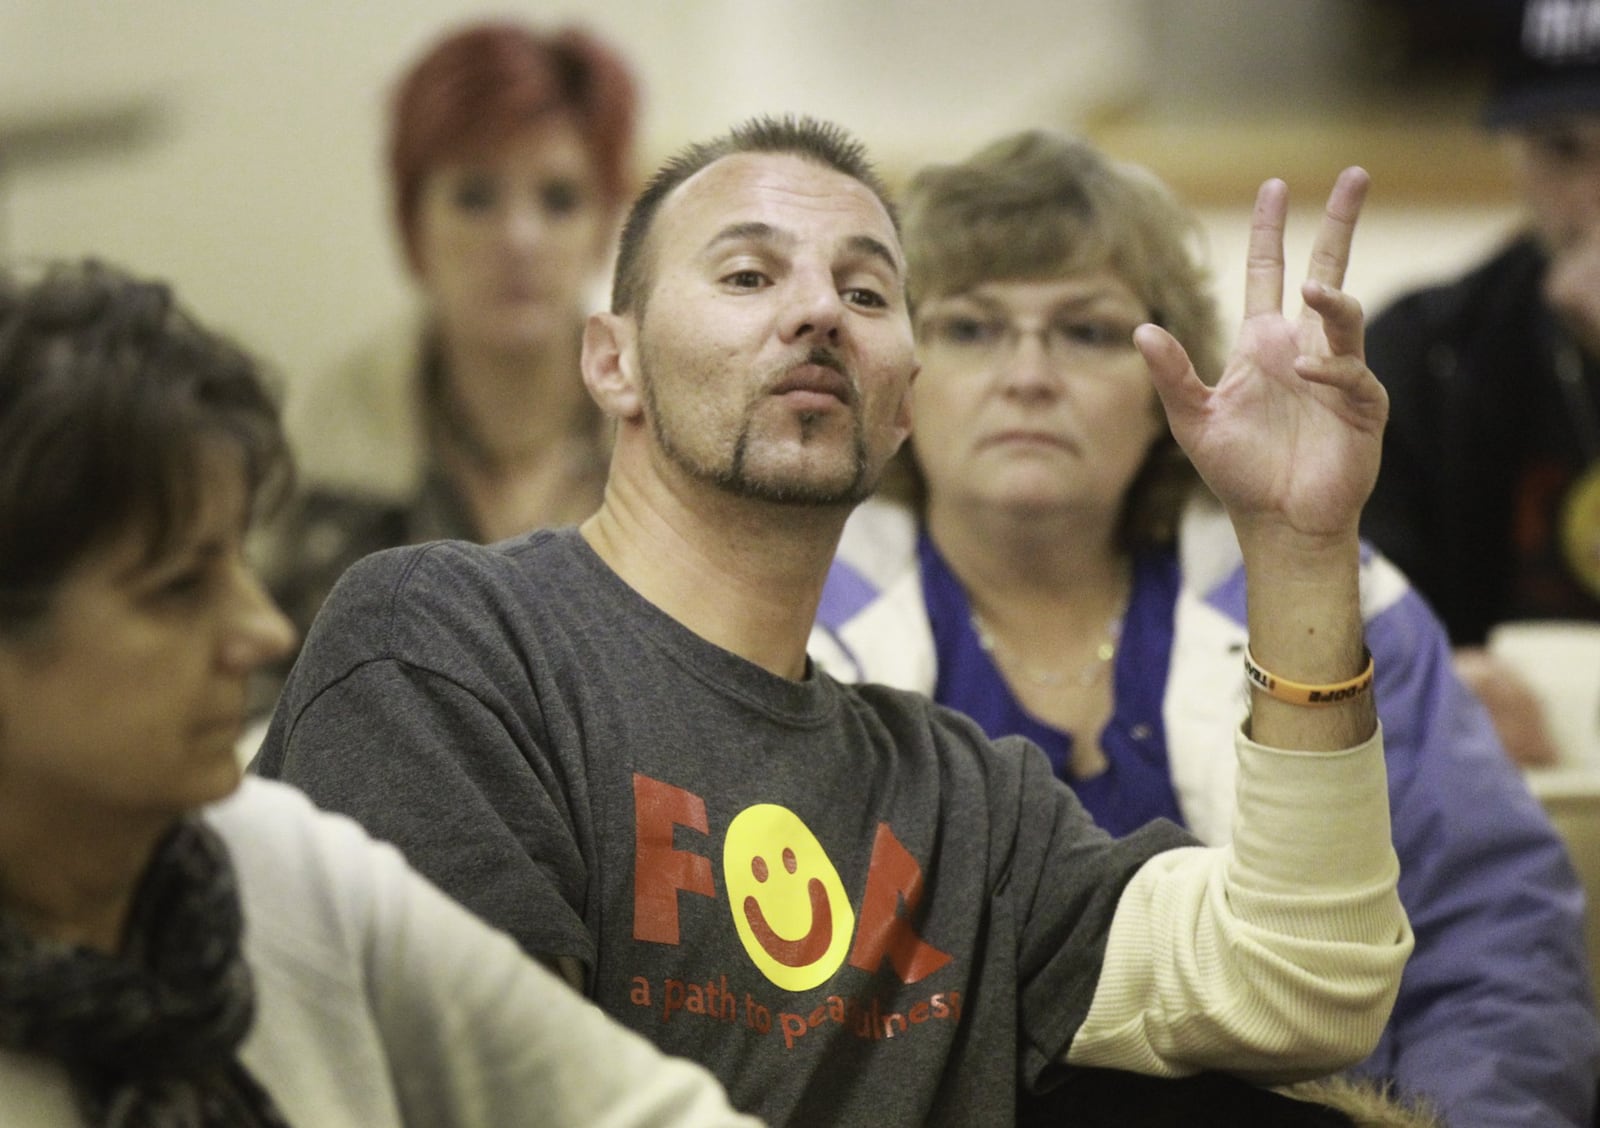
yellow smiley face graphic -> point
(787, 900)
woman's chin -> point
(1033, 499)
(525, 329)
(216, 779)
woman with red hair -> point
(510, 154)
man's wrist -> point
(1306, 694)
(1274, 553)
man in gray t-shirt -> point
(845, 901)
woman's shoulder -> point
(871, 621)
(273, 825)
(357, 426)
(311, 881)
(879, 541)
(1212, 567)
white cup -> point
(1560, 661)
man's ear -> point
(902, 417)
(610, 365)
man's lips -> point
(815, 381)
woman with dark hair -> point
(1062, 574)
(175, 948)
(510, 156)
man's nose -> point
(817, 309)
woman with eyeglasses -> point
(1053, 567)
(175, 948)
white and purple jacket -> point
(1495, 1021)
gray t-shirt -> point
(845, 901)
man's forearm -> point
(1304, 612)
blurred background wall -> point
(235, 146)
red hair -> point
(482, 82)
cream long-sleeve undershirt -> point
(1275, 958)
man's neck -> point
(744, 574)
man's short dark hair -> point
(110, 396)
(821, 142)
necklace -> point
(1090, 674)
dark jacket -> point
(1475, 406)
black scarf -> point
(149, 1036)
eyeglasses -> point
(1067, 338)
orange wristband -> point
(1298, 693)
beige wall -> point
(248, 166)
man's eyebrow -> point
(757, 232)
(874, 248)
